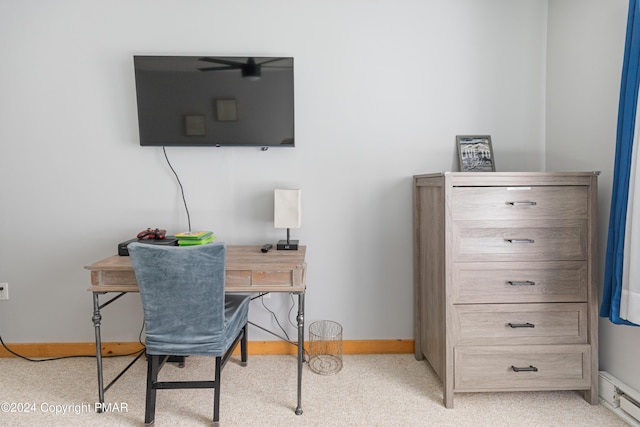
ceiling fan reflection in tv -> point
(251, 70)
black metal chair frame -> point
(156, 362)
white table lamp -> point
(287, 214)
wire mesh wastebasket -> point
(325, 347)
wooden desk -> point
(247, 270)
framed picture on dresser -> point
(475, 153)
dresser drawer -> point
(547, 281)
(535, 240)
(506, 368)
(521, 202)
(513, 324)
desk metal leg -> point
(300, 319)
(97, 317)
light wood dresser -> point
(505, 271)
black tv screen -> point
(215, 101)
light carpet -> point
(370, 390)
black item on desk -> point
(167, 241)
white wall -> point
(585, 53)
(382, 88)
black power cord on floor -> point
(48, 359)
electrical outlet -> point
(4, 291)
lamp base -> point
(284, 245)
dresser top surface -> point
(505, 178)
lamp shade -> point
(286, 208)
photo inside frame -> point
(475, 154)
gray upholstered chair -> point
(186, 312)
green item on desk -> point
(194, 235)
(194, 242)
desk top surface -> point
(248, 269)
(238, 258)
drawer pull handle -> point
(519, 240)
(521, 282)
(530, 368)
(521, 203)
(521, 325)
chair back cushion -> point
(182, 292)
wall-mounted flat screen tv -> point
(215, 101)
